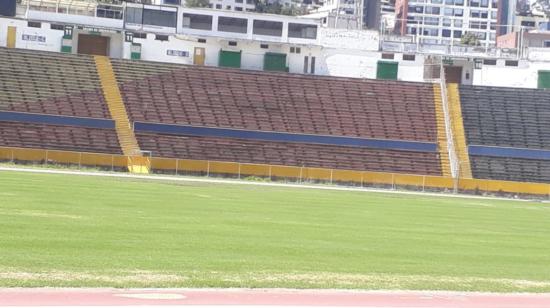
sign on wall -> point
(33, 38)
(177, 53)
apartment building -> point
(446, 21)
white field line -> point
(242, 182)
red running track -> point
(264, 297)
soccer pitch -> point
(84, 231)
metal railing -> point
(453, 160)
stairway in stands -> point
(441, 133)
(459, 137)
(137, 163)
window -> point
(230, 24)
(249, 1)
(159, 18)
(306, 62)
(218, 6)
(446, 22)
(312, 65)
(107, 11)
(228, 7)
(526, 23)
(511, 63)
(175, 2)
(302, 31)
(134, 15)
(388, 56)
(34, 24)
(238, 9)
(238, 1)
(232, 43)
(546, 44)
(295, 50)
(458, 23)
(457, 34)
(431, 21)
(264, 46)
(409, 57)
(489, 62)
(201, 40)
(265, 27)
(140, 35)
(474, 14)
(494, 14)
(458, 12)
(484, 3)
(434, 10)
(446, 33)
(160, 37)
(57, 27)
(196, 21)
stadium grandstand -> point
(148, 110)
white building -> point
(446, 21)
(255, 42)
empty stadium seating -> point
(57, 137)
(277, 102)
(289, 154)
(225, 98)
(53, 83)
(509, 118)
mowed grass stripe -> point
(69, 230)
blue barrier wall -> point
(508, 152)
(55, 120)
(285, 137)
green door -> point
(386, 70)
(275, 62)
(230, 58)
(544, 80)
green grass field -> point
(68, 230)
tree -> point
(197, 3)
(470, 39)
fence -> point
(274, 172)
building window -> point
(264, 46)
(159, 18)
(196, 21)
(34, 24)
(57, 27)
(107, 11)
(511, 63)
(457, 34)
(306, 64)
(302, 31)
(160, 37)
(218, 6)
(238, 1)
(230, 24)
(228, 7)
(489, 62)
(238, 9)
(546, 44)
(446, 33)
(232, 43)
(295, 50)
(134, 15)
(265, 27)
(388, 56)
(201, 40)
(409, 57)
(140, 35)
(312, 65)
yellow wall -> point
(12, 35)
(363, 178)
